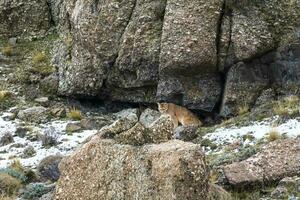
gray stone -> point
(173, 51)
(42, 100)
(148, 116)
(34, 114)
(22, 131)
(244, 84)
(274, 162)
(24, 18)
(185, 133)
(159, 131)
(126, 119)
(13, 41)
(6, 139)
(48, 168)
(92, 123)
(73, 127)
(289, 186)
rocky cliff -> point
(206, 55)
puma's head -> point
(162, 107)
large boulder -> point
(103, 169)
(275, 161)
(24, 17)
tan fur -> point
(179, 114)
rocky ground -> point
(79, 81)
(38, 129)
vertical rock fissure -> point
(219, 32)
(217, 107)
(161, 35)
(121, 38)
(112, 64)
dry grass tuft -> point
(16, 165)
(7, 51)
(273, 135)
(75, 114)
(4, 94)
(288, 106)
(38, 58)
(243, 110)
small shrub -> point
(38, 58)
(49, 138)
(7, 51)
(34, 191)
(273, 135)
(9, 185)
(6, 139)
(75, 114)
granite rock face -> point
(24, 17)
(148, 51)
(186, 52)
(103, 169)
(247, 81)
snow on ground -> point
(67, 143)
(221, 136)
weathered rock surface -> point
(218, 193)
(126, 119)
(103, 169)
(6, 139)
(185, 133)
(246, 82)
(275, 161)
(243, 86)
(145, 51)
(34, 114)
(289, 186)
(24, 17)
(48, 168)
(148, 116)
(158, 50)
